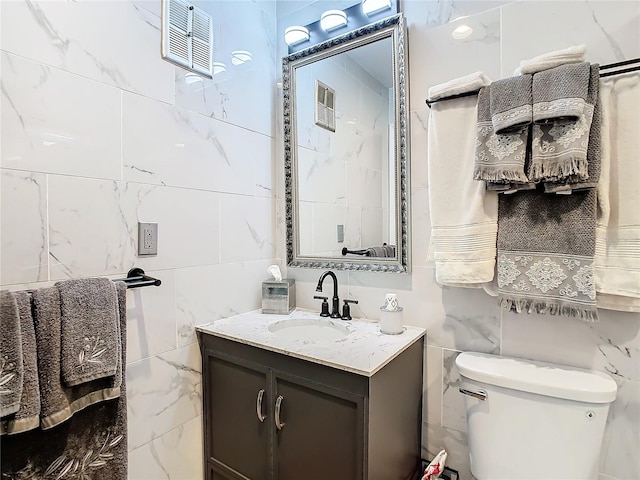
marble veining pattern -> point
(163, 392)
(364, 351)
(57, 122)
(609, 29)
(151, 318)
(176, 455)
(113, 42)
(619, 454)
(211, 292)
(24, 256)
(454, 413)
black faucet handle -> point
(325, 305)
(346, 309)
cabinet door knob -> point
(279, 424)
(261, 417)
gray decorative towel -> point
(28, 415)
(498, 158)
(559, 94)
(59, 401)
(383, 251)
(89, 329)
(561, 132)
(11, 368)
(92, 445)
(511, 103)
(546, 246)
(594, 149)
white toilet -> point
(533, 420)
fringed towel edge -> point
(535, 306)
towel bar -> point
(136, 278)
(602, 75)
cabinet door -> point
(237, 439)
(323, 433)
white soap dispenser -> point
(391, 315)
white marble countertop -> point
(363, 351)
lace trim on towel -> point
(512, 118)
(547, 282)
(564, 107)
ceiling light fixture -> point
(370, 7)
(333, 19)
(463, 31)
(295, 35)
(238, 57)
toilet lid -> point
(538, 377)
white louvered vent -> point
(187, 36)
(202, 42)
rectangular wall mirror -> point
(346, 151)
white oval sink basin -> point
(312, 329)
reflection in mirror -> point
(346, 153)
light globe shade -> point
(296, 34)
(332, 19)
(369, 7)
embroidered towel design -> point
(89, 329)
(594, 146)
(28, 415)
(499, 158)
(59, 401)
(562, 120)
(90, 445)
(11, 367)
(546, 246)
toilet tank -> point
(530, 420)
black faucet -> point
(335, 302)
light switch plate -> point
(147, 239)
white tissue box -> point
(279, 297)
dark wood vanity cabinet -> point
(272, 416)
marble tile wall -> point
(457, 320)
(98, 133)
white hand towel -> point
(468, 83)
(617, 258)
(574, 54)
(464, 216)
